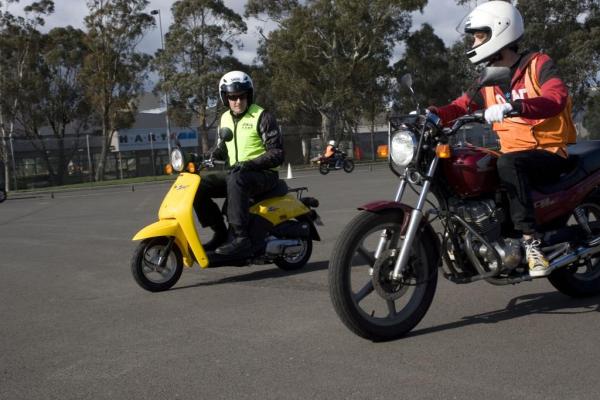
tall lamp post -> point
(165, 94)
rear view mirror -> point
(225, 134)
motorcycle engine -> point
(482, 215)
(486, 218)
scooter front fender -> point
(168, 228)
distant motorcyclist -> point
(254, 154)
(334, 154)
(534, 144)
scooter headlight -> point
(177, 160)
(403, 148)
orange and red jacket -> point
(542, 100)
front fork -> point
(415, 220)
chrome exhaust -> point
(570, 258)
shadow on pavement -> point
(538, 303)
(258, 275)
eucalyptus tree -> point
(52, 99)
(114, 71)
(19, 40)
(318, 52)
(198, 50)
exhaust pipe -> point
(578, 254)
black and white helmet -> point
(234, 82)
(503, 24)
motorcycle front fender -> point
(172, 228)
(384, 205)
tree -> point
(52, 96)
(19, 39)
(591, 120)
(114, 72)
(197, 52)
(318, 54)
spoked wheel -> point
(348, 166)
(147, 270)
(367, 300)
(298, 260)
(583, 278)
(324, 168)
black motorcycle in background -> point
(328, 163)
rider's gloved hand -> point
(432, 117)
(242, 166)
(497, 112)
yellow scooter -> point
(282, 229)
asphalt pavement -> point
(75, 325)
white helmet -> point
(331, 143)
(236, 81)
(503, 24)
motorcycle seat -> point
(280, 189)
(584, 158)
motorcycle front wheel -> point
(146, 269)
(367, 301)
(348, 166)
(324, 168)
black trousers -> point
(238, 187)
(520, 170)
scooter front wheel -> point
(148, 270)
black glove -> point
(242, 166)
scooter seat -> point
(280, 189)
(584, 158)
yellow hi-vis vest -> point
(246, 144)
(552, 134)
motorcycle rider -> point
(534, 144)
(254, 154)
(333, 153)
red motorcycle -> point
(384, 267)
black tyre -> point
(2, 195)
(348, 166)
(324, 168)
(145, 269)
(292, 263)
(366, 300)
(582, 279)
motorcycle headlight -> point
(403, 148)
(177, 160)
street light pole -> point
(165, 94)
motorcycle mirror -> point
(406, 80)
(225, 134)
(494, 76)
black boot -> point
(239, 246)
(219, 237)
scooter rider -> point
(534, 144)
(254, 154)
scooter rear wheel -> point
(145, 269)
(298, 261)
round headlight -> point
(177, 160)
(403, 146)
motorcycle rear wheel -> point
(583, 279)
(324, 168)
(146, 271)
(348, 166)
(358, 282)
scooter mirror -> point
(225, 134)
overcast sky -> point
(443, 15)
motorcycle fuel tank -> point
(471, 171)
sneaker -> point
(538, 264)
